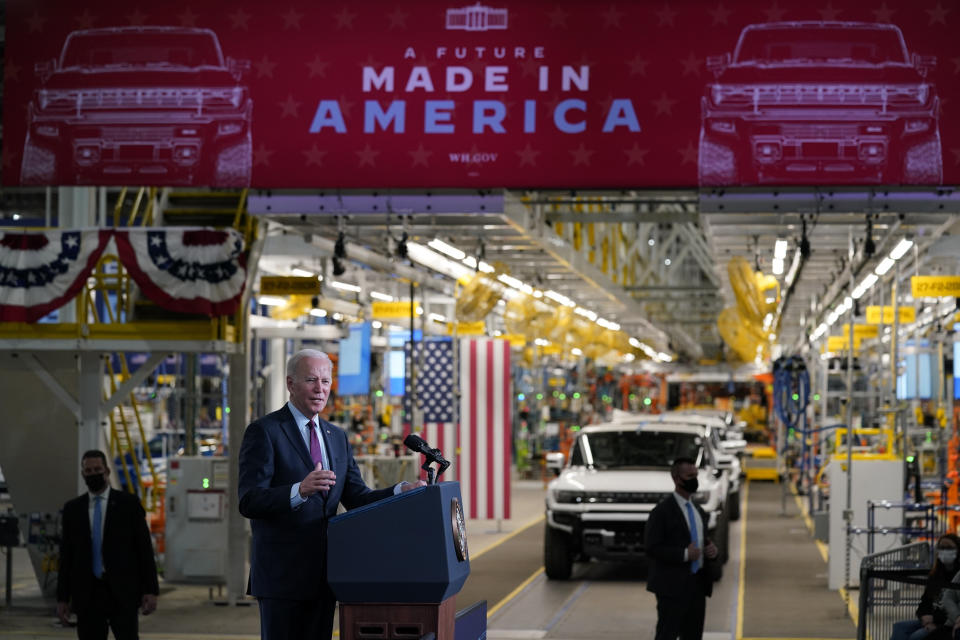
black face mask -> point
(95, 482)
(690, 485)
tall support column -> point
(277, 378)
(239, 395)
(90, 432)
(76, 209)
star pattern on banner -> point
(318, 67)
(397, 19)
(345, 18)
(883, 13)
(290, 107)
(292, 18)
(137, 19)
(527, 155)
(36, 22)
(420, 156)
(558, 18)
(720, 14)
(188, 18)
(774, 13)
(367, 156)
(635, 155)
(262, 155)
(265, 67)
(666, 16)
(434, 374)
(581, 155)
(638, 65)
(664, 104)
(314, 156)
(829, 13)
(239, 19)
(692, 64)
(689, 154)
(938, 15)
(85, 20)
(611, 17)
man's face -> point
(94, 466)
(310, 387)
(685, 472)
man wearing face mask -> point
(680, 558)
(107, 571)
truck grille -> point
(625, 497)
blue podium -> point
(399, 563)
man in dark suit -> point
(680, 558)
(295, 468)
(106, 570)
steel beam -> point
(136, 377)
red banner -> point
(509, 94)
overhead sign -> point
(466, 94)
(934, 286)
(861, 331)
(287, 286)
(478, 328)
(842, 343)
(392, 310)
(908, 315)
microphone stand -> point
(442, 465)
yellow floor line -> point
(743, 559)
(512, 534)
(513, 593)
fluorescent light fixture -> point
(608, 324)
(651, 242)
(16, 216)
(884, 266)
(538, 294)
(540, 342)
(586, 313)
(322, 313)
(576, 351)
(560, 298)
(486, 268)
(667, 261)
(303, 273)
(634, 342)
(436, 317)
(443, 247)
(516, 284)
(376, 295)
(471, 262)
(419, 311)
(770, 300)
(777, 266)
(376, 324)
(431, 259)
(338, 316)
(901, 248)
(665, 357)
(344, 286)
(271, 301)
(498, 333)
(629, 357)
(780, 249)
(865, 285)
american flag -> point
(435, 397)
(485, 427)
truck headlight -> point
(915, 126)
(571, 497)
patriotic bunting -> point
(190, 270)
(187, 270)
(41, 271)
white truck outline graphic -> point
(140, 105)
(823, 103)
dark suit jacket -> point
(666, 537)
(128, 563)
(288, 558)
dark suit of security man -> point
(679, 572)
(105, 584)
(295, 468)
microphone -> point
(418, 444)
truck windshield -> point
(821, 45)
(133, 49)
(630, 449)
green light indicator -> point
(563, 396)
(795, 397)
(520, 396)
(539, 396)
(633, 396)
(575, 427)
(647, 401)
(556, 394)
(228, 409)
(816, 397)
(206, 483)
(576, 394)
(909, 458)
(379, 393)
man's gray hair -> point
(294, 362)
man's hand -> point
(148, 604)
(926, 620)
(319, 479)
(711, 550)
(693, 552)
(63, 612)
(407, 486)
